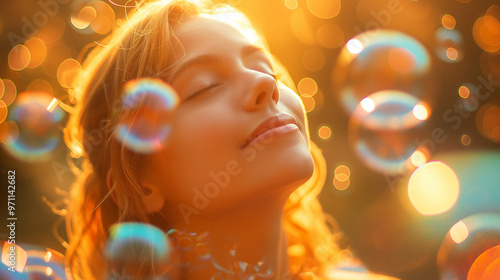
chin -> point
(281, 166)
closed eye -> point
(207, 88)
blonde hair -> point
(140, 47)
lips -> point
(277, 124)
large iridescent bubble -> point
(147, 108)
(380, 60)
(130, 244)
(470, 250)
(383, 129)
(38, 118)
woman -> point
(238, 163)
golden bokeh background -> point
(403, 98)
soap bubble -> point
(132, 244)
(449, 45)
(470, 245)
(147, 108)
(380, 60)
(37, 117)
(382, 130)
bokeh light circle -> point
(19, 57)
(10, 92)
(324, 9)
(147, 108)
(68, 72)
(38, 51)
(92, 17)
(488, 121)
(433, 188)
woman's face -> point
(236, 136)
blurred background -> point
(402, 96)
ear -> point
(153, 200)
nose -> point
(263, 91)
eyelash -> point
(215, 84)
(210, 86)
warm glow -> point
(324, 9)
(3, 111)
(52, 105)
(291, 4)
(37, 50)
(488, 121)
(341, 185)
(433, 188)
(68, 71)
(324, 132)
(330, 36)
(48, 271)
(418, 158)
(9, 132)
(342, 169)
(105, 18)
(420, 112)
(10, 92)
(313, 60)
(301, 27)
(307, 87)
(368, 105)
(52, 31)
(309, 103)
(466, 140)
(341, 180)
(41, 86)
(47, 256)
(486, 30)
(448, 21)
(464, 92)
(485, 264)
(20, 253)
(459, 232)
(452, 53)
(2, 88)
(19, 58)
(354, 46)
(83, 19)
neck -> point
(255, 231)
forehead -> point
(198, 35)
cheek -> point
(291, 103)
(201, 141)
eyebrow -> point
(212, 58)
